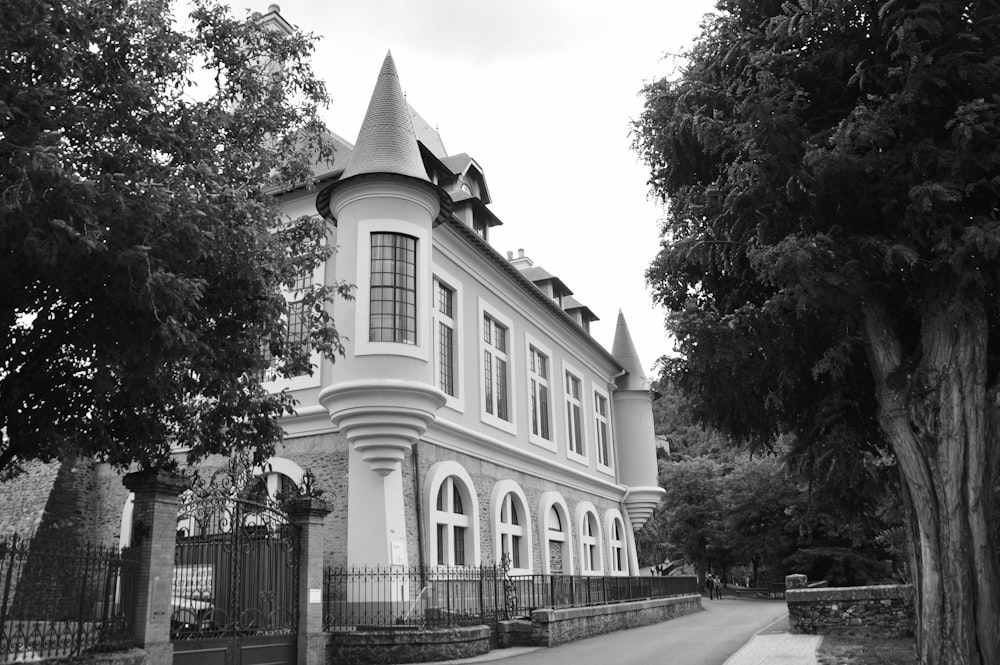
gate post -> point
(308, 513)
(154, 535)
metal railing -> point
(539, 591)
(375, 597)
(399, 597)
(59, 602)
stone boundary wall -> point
(383, 647)
(557, 626)
(877, 610)
(129, 657)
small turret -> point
(633, 401)
(384, 396)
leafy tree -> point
(142, 255)
(830, 258)
(688, 523)
(756, 495)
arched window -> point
(556, 548)
(452, 524)
(617, 545)
(591, 555)
(511, 526)
(452, 516)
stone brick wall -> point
(406, 646)
(878, 610)
(551, 627)
(70, 501)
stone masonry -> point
(878, 610)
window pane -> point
(543, 399)
(488, 381)
(459, 545)
(502, 390)
(446, 354)
(442, 545)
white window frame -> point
(491, 418)
(530, 379)
(617, 565)
(440, 475)
(456, 401)
(567, 403)
(362, 345)
(507, 494)
(606, 465)
(553, 501)
(591, 539)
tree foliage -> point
(142, 254)
(832, 169)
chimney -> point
(521, 262)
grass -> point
(866, 650)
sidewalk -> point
(773, 644)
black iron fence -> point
(360, 598)
(58, 602)
(538, 591)
(429, 597)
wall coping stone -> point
(386, 636)
(880, 592)
(567, 614)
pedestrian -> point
(718, 588)
(710, 585)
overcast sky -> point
(541, 94)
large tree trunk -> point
(938, 416)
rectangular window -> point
(574, 409)
(296, 326)
(444, 317)
(496, 376)
(538, 371)
(601, 428)
(393, 297)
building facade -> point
(472, 419)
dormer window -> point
(481, 228)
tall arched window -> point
(555, 548)
(452, 516)
(616, 545)
(591, 555)
(452, 524)
(511, 526)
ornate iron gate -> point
(236, 574)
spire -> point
(387, 142)
(624, 352)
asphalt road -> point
(703, 638)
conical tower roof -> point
(387, 142)
(624, 352)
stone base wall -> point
(552, 627)
(382, 647)
(877, 610)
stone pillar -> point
(797, 581)
(154, 536)
(307, 514)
